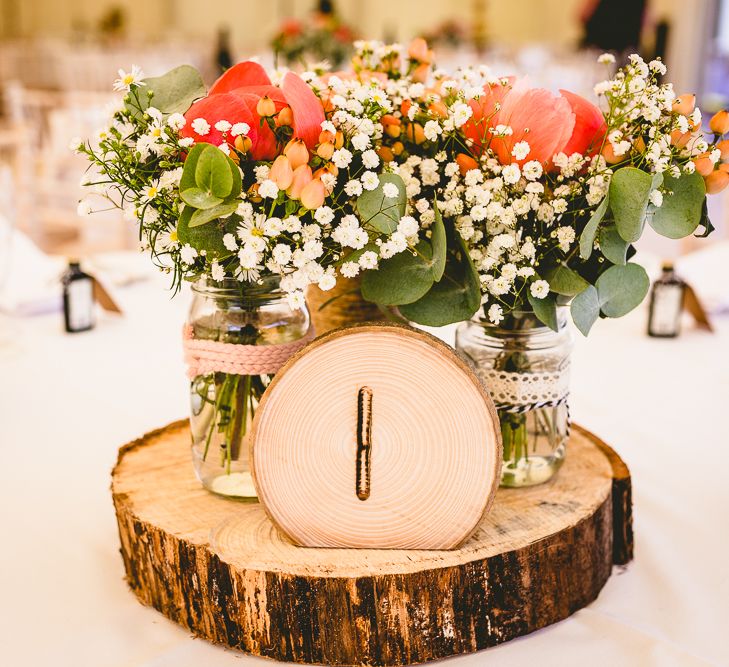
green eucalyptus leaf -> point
(208, 238)
(213, 174)
(198, 198)
(380, 212)
(174, 92)
(545, 309)
(585, 309)
(705, 222)
(587, 238)
(681, 212)
(203, 216)
(401, 279)
(565, 281)
(455, 298)
(439, 242)
(187, 179)
(629, 192)
(622, 288)
(613, 246)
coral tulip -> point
(301, 178)
(703, 164)
(313, 194)
(281, 172)
(719, 123)
(420, 73)
(465, 163)
(296, 152)
(235, 98)
(684, 104)
(716, 181)
(590, 127)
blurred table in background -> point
(69, 401)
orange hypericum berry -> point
(338, 139)
(639, 145)
(385, 153)
(415, 133)
(398, 148)
(723, 146)
(724, 167)
(405, 107)
(325, 151)
(716, 181)
(297, 152)
(281, 172)
(420, 73)
(719, 123)
(313, 194)
(418, 50)
(703, 164)
(253, 192)
(302, 178)
(326, 136)
(608, 152)
(243, 144)
(680, 139)
(285, 117)
(265, 107)
(465, 163)
(684, 104)
(438, 109)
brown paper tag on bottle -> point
(105, 299)
(693, 305)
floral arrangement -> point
(464, 190)
(321, 38)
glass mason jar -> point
(223, 404)
(525, 366)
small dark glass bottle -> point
(78, 299)
(666, 305)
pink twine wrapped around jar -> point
(209, 356)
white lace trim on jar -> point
(527, 390)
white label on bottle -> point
(80, 304)
(667, 301)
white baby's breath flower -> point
(186, 142)
(349, 269)
(188, 253)
(369, 180)
(432, 129)
(408, 226)
(520, 150)
(606, 59)
(230, 243)
(496, 314)
(370, 159)
(268, 189)
(217, 272)
(656, 198)
(223, 126)
(240, 129)
(176, 121)
(511, 173)
(368, 260)
(539, 289)
(76, 144)
(200, 127)
(390, 190)
(342, 158)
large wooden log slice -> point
(221, 569)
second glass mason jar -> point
(223, 404)
(525, 366)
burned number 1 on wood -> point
(364, 442)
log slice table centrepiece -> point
(222, 570)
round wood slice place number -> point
(376, 436)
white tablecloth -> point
(67, 402)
